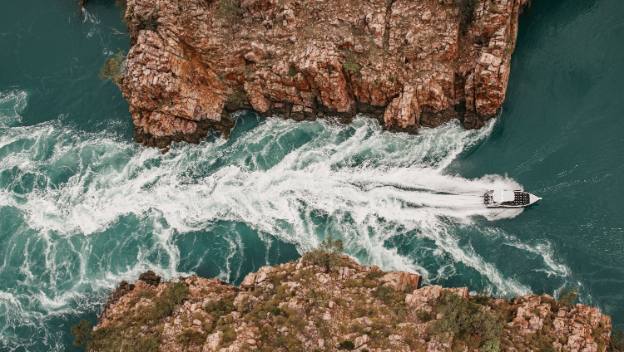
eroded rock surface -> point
(409, 63)
(327, 302)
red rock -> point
(320, 309)
(414, 63)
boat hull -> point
(529, 200)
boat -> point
(509, 199)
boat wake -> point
(89, 210)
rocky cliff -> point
(327, 302)
(409, 63)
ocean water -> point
(83, 207)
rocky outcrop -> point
(327, 302)
(409, 63)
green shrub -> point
(481, 299)
(267, 308)
(346, 345)
(141, 331)
(327, 255)
(229, 9)
(386, 294)
(292, 70)
(380, 330)
(286, 343)
(220, 307)
(374, 274)
(393, 299)
(191, 337)
(321, 258)
(164, 304)
(114, 67)
(468, 322)
(350, 65)
(423, 316)
(275, 310)
(148, 343)
(229, 335)
(295, 320)
(124, 337)
(491, 346)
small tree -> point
(331, 245)
(327, 255)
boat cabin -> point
(505, 198)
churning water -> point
(83, 207)
(83, 210)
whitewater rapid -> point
(296, 182)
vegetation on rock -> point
(229, 9)
(470, 323)
(113, 68)
(466, 13)
(351, 65)
(139, 329)
(326, 255)
(327, 302)
(568, 297)
(409, 63)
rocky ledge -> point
(408, 63)
(327, 302)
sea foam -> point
(296, 182)
(362, 180)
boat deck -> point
(521, 198)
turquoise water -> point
(82, 207)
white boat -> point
(509, 199)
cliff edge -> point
(327, 302)
(408, 63)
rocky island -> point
(327, 302)
(408, 63)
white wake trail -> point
(365, 185)
(381, 193)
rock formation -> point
(408, 63)
(327, 302)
